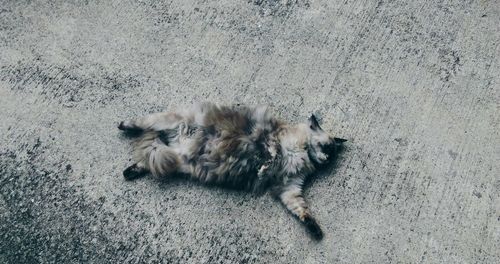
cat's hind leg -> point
(163, 161)
(159, 159)
(155, 122)
(291, 196)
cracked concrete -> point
(414, 86)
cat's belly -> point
(236, 169)
(214, 157)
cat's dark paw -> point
(133, 172)
(129, 130)
(313, 228)
(123, 125)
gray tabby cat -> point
(236, 146)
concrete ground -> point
(413, 85)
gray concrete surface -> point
(414, 85)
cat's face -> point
(322, 146)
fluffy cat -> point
(237, 146)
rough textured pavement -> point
(414, 86)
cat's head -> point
(322, 146)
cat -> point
(237, 146)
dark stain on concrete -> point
(279, 7)
(449, 64)
(453, 154)
(68, 85)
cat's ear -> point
(339, 140)
(313, 123)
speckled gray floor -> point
(414, 86)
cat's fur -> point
(236, 146)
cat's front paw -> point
(129, 128)
(125, 125)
